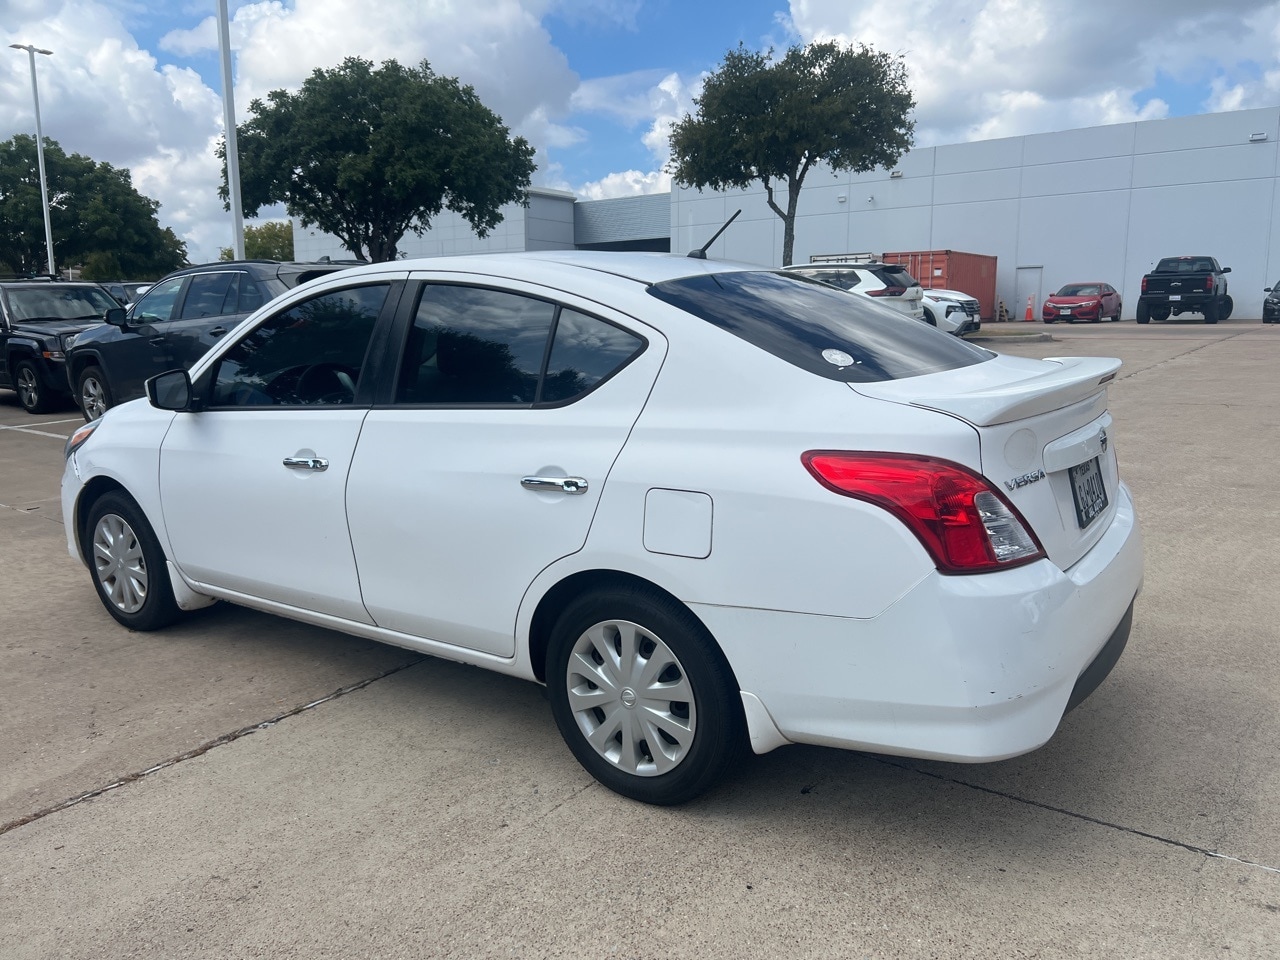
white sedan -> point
(707, 505)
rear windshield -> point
(1184, 265)
(892, 275)
(817, 328)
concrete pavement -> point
(435, 812)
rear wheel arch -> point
(557, 599)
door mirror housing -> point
(1226, 269)
(171, 390)
(115, 316)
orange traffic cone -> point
(1028, 318)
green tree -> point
(272, 240)
(368, 154)
(100, 222)
(772, 120)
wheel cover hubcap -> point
(28, 389)
(118, 560)
(91, 399)
(631, 698)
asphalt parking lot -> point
(275, 790)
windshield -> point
(1079, 290)
(59, 303)
(818, 328)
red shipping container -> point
(971, 273)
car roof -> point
(644, 268)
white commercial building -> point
(1101, 203)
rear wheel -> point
(643, 696)
(31, 392)
(93, 394)
(128, 565)
(1144, 313)
(1211, 312)
(1160, 312)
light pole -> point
(44, 190)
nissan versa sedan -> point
(707, 505)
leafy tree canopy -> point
(272, 240)
(100, 223)
(767, 120)
(368, 154)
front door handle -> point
(217, 331)
(570, 485)
(157, 341)
(306, 463)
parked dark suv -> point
(173, 324)
(38, 317)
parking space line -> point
(39, 433)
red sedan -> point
(1083, 301)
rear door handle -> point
(157, 341)
(217, 331)
(306, 463)
(574, 486)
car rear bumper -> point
(969, 669)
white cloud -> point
(629, 183)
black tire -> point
(929, 317)
(92, 392)
(701, 734)
(1211, 312)
(128, 565)
(1227, 306)
(1160, 312)
(1144, 313)
(1119, 310)
(32, 394)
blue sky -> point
(594, 85)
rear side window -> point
(206, 295)
(476, 345)
(818, 329)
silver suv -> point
(889, 284)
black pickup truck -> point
(1185, 285)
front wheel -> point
(128, 565)
(31, 392)
(1227, 306)
(643, 696)
(93, 393)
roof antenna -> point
(701, 252)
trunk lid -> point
(1044, 436)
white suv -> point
(952, 311)
(889, 284)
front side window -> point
(311, 354)
(473, 345)
(816, 328)
(157, 304)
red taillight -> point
(1208, 283)
(964, 522)
(1144, 284)
(887, 292)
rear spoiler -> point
(1071, 380)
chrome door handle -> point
(306, 463)
(570, 485)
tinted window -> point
(310, 354)
(894, 276)
(470, 345)
(251, 296)
(157, 303)
(206, 294)
(816, 328)
(844, 279)
(585, 351)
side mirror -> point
(1226, 269)
(115, 316)
(170, 390)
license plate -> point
(1089, 491)
(1175, 296)
(1064, 311)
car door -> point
(214, 306)
(140, 351)
(510, 408)
(253, 485)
